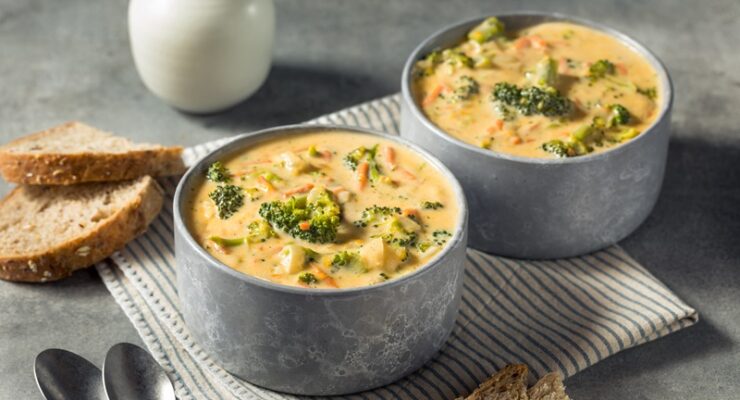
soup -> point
(324, 210)
(552, 90)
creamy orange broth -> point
(293, 164)
(510, 59)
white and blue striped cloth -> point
(562, 315)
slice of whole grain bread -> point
(47, 232)
(75, 153)
(549, 387)
(509, 383)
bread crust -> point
(60, 261)
(509, 383)
(549, 387)
(68, 169)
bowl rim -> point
(246, 140)
(666, 86)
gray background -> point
(63, 60)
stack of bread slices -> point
(81, 194)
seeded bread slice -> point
(47, 232)
(75, 153)
(549, 387)
(510, 383)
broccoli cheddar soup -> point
(324, 210)
(555, 89)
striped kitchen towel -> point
(563, 315)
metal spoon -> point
(63, 375)
(130, 372)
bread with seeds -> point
(48, 232)
(74, 153)
(549, 387)
(509, 383)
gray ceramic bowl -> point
(547, 208)
(316, 342)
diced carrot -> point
(362, 170)
(300, 189)
(621, 68)
(497, 126)
(219, 248)
(304, 225)
(337, 190)
(330, 281)
(538, 42)
(429, 99)
(406, 173)
(563, 66)
(515, 140)
(326, 155)
(269, 186)
(522, 43)
(390, 156)
(324, 277)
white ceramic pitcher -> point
(202, 55)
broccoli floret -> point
(545, 73)
(375, 215)
(619, 115)
(353, 158)
(533, 100)
(649, 92)
(308, 278)
(394, 231)
(360, 154)
(434, 58)
(228, 199)
(260, 231)
(466, 87)
(426, 66)
(344, 258)
(490, 28)
(547, 102)
(314, 221)
(503, 111)
(218, 173)
(422, 247)
(556, 147)
(431, 205)
(507, 93)
(396, 234)
(600, 69)
(456, 58)
(626, 134)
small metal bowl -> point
(547, 208)
(312, 341)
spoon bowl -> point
(63, 375)
(130, 372)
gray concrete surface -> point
(62, 60)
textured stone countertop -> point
(64, 60)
